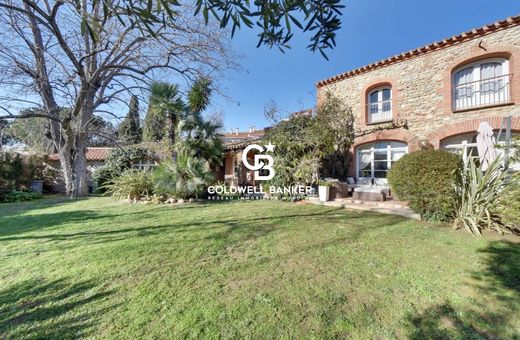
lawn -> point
(256, 269)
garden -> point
(121, 255)
(135, 262)
(247, 269)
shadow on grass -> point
(20, 224)
(492, 314)
(13, 209)
(256, 226)
(36, 309)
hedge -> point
(426, 179)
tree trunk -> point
(61, 129)
(66, 170)
(80, 166)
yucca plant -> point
(478, 194)
(132, 184)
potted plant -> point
(324, 189)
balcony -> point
(482, 93)
(379, 111)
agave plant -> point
(186, 177)
(478, 194)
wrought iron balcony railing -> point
(483, 92)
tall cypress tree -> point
(129, 131)
(154, 125)
(165, 108)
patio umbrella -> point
(486, 145)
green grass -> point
(259, 269)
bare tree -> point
(51, 60)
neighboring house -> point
(232, 171)
(442, 90)
(96, 157)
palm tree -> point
(165, 101)
(185, 178)
(200, 138)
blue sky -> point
(371, 30)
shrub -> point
(11, 170)
(508, 207)
(105, 175)
(426, 179)
(187, 177)
(17, 171)
(19, 196)
(132, 184)
(122, 158)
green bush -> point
(509, 205)
(187, 177)
(122, 158)
(11, 171)
(17, 170)
(19, 196)
(118, 160)
(426, 179)
(105, 175)
(132, 184)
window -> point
(144, 165)
(466, 146)
(379, 105)
(481, 83)
(375, 159)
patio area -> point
(390, 206)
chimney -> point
(236, 131)
(254, 128)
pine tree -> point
(129, 131)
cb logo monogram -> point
(259, 164)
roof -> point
(244, 134)
(456, 39)
(92, 154)
(240, 139)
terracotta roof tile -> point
(93, 154)
(472, 34)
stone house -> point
(442, 91)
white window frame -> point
(144, 165)
(380, 115)
(371, 151)
(477, 98)
(466, 145)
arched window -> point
(466, 145)
(379, 105)
(373, 160)
(481, 83)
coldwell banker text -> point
(259, 190)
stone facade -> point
(421, 87)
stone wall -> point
(421, 90)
